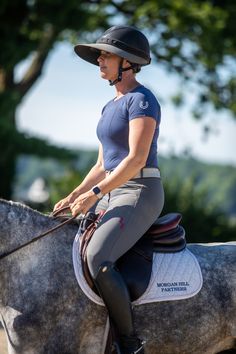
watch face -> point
(96, 190)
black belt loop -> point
(141, 173)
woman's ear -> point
(125, 63)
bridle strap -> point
(56, 215)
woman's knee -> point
(94, 260)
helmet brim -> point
(91, 52)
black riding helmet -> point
(125, 41)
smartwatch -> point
(97, 191)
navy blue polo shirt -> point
(113, 126)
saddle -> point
(165, 235)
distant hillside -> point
(218, 181)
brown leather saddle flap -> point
(136, 264)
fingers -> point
(56, 207)
(78, 207)
(82, 204)
(75, 210)
(62, 203)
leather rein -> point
(36, 238)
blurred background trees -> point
(29, 30)
(195, 40)
(203, 193)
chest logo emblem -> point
(143, 105)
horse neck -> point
(19, 225)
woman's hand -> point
(83, 203)
(65, 202)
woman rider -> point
(125, 181)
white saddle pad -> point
(175, 276)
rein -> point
(56, 215)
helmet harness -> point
(135, 67)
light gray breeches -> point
(130, 210)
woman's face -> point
(109, 64)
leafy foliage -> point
(196, 41)
(61, 187)
(202, 193)
(207, 206)
(201, 221)
(28, 30)
(215, 183)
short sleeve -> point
(144, 105)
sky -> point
(65, 104)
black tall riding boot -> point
(115, 295)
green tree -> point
(29, 29)
(196, 40)
(203, 221)
(61, 187)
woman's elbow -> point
(99, 166)
(139, 161)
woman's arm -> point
(95, 175)
(141, 131)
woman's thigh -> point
(132, 209)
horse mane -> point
(19, 206)
(20, 210)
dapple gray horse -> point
(43, 310)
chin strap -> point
(120, 71)
(119, 78)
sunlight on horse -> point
(43, 310)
